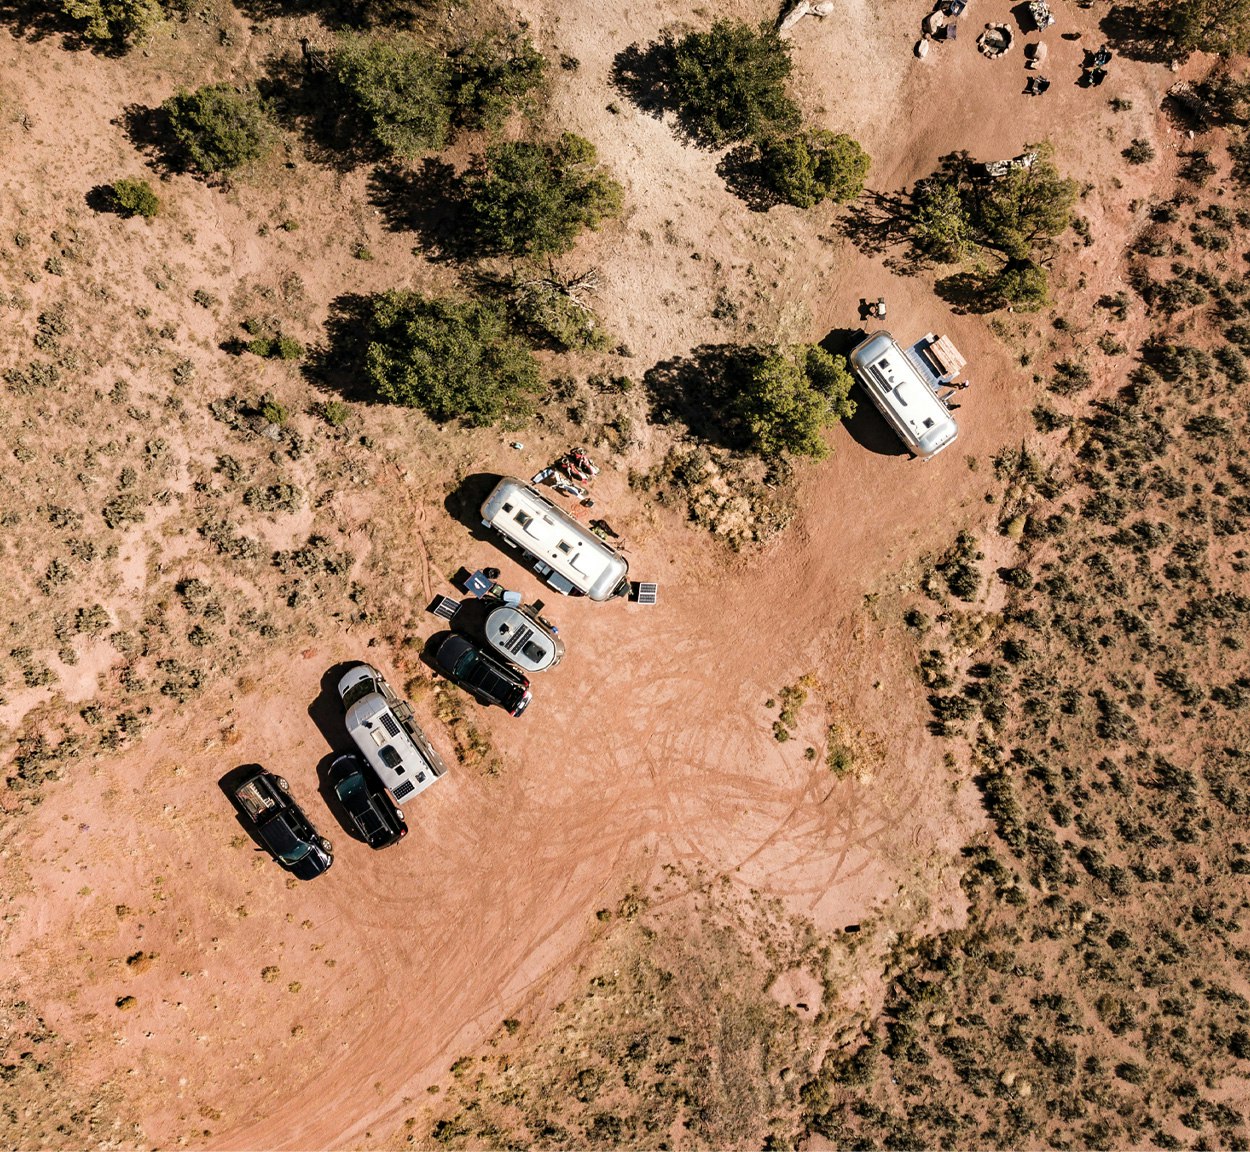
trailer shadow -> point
(464, 502)
(869, 429)
(841, 341)
(326, 709)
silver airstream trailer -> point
(522, 637)
(903, 395)
(568, 556)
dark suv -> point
(368, 805)
(264, 800)
(489, 680)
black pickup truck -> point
(265, 801)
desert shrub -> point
(958, 567)
(219, 128)
(1196, 166)
(124, 508)
(452, 359)
(1139, 151)
(790, 396)
(729, 83)
(1171, 294)
(1116, 304)
(396, 89)
(276, 347)
(134, 198)
(1070, 378)
(115, 23)
(491, 76)
(1206, 426)
(806, 168)
(1112, 345)
(334, 412)
(273, 412)
(273, 498)
(527, 199)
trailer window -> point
(391, 758)
(524, 519)
(565, 547)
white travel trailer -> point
(904, 394)
(569, 557)
(388, 737)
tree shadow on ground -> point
(149, 131)
(101, 199)
(339, 363)
(868, 427)
(1138, 34)
(746, 177)
(877, 222)
(697, 390)
(426, 200)
(644, 77)
(966, 294)
(35, 20)
(302, 90)
(336, 14)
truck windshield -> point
(359, 691)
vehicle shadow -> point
(464, 502)
(868, 427)
(432, 645)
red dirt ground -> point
(650, 743)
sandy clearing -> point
(650, 744)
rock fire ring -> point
(995, 40)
